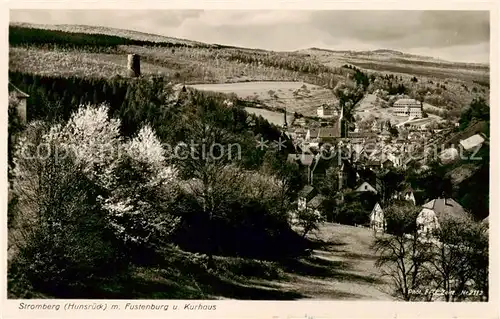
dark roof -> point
(316, 201)
(329, 132)
(18, 92)
(306, 192)
(409, 160)
(385, 132)
(373, 163)
(445, 208)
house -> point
(377, 219)
(407, 194)
(325, 111)
(304, 196)
(472, 142)
(315, 204)
(22, 98)
(312, 134)
(328, 134)
(365, 187)
(387, 163)
(408, 107)
(396, 159)
(385, 135)
(448, 155)
(436, 212)
(300, 121)
(372, 164)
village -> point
(358, 175)
(362, 155)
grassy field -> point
(56, 63)
(278, 94)
(342, 267)
(367, 108)
(404, 64)
(272, 117)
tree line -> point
(55, 39)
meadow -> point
(298, 97)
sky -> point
(449, 35)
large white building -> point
(408, 107)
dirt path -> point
(342, 267)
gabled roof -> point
(306, 191)
(377, 207)
(445, 208)
(316, 201)
(328, 132)
(373, 163)
(405, 101)
(472, 141)
(366, 187)
(385, 132)
(18, 92)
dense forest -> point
(54, 39)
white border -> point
(271, 309)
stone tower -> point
(133, 65)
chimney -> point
(133, 65)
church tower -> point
(342, 125)
(284, 115)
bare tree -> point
(460, 260)
(401, 255)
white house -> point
(396, 159)
(449, 155)
(304, 196)
(409, 196)
(365, 187)
(435, 212)
(377, 219)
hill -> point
(100, 52)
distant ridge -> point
(396, 54)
